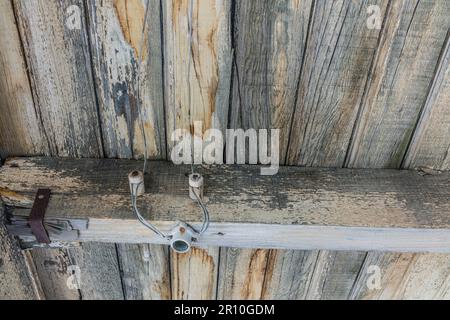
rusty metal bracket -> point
(36, 219)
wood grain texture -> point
(392, 266)
(100, 275)
(209, 76)
(334, 274)
(430, 146)
(145, 271)
(54, 269)
(289, 274)
(194, 274)
(337, 62)
(16, 282)
(414, 34)
(20, 131)
(242, 273)
(61, 77)
(88, 272)
(116, 28)
(405, 276)
(269, 43)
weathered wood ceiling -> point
(343, 95)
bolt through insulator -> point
(195, 185)
(136, 179)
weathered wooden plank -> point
(100, 275)
(242, 273)
(116, 28)
(334, 274)
(414, 34)
(403, 276)
(269, 43)
(56, 273)
(145, 271)
(207, 80)
(428, 278)
(430, 146)
(194, 274)
(336, 66)
(20, 132)
(252, 235)
(98, 188)
(16, 282)
(289, 274)
(57, 51)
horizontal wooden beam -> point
(299, 208)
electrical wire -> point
(138, 103)
(205, 214)
(188, 78)
(134, 192)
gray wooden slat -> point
(404, 276)
(16, 282)
(58, 56)
(336, 66)
(269, 42)
(407, 56)
(54, 269)
(20, 132)
(116, 33)
(381, 275)
(145, 271)
(242, 273)
(289, 274)
(210, 71)
(430, 146)
(88, 272)
(194, 274)
(100, 277)
(335, 274)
